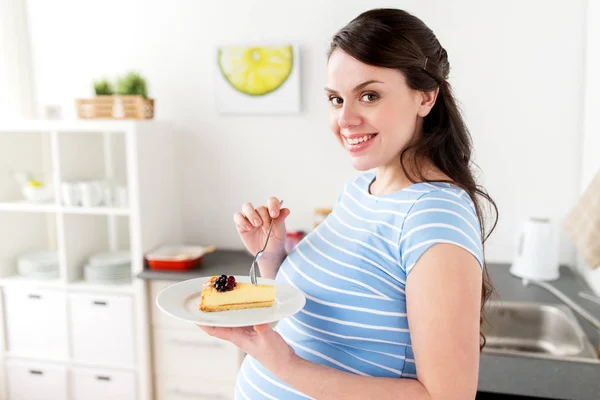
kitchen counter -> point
(537, 377)
(228, 262)
(498, 373)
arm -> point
(443, 298)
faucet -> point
(565, 299)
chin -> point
(362, 164)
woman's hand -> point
(261, 342)
(253, 227)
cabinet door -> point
(176, 388)
(102, 384)
(35, 381)
(102, 329)
(195, 354)
(36, 322)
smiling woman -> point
(395, 277)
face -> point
(373, 112)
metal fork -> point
(260, 253)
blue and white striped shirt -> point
(352, 269)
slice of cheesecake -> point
(223, 293)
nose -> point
(348, 117)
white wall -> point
(517, 67)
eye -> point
(335, 101)
(369, 97)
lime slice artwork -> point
(256, 70)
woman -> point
(395, 277)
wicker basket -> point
(115, 107)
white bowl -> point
(34, 194)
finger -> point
(264, 215)
(251, 214)
(261, 328)
(242, 222)
(221, 333)
(273, 204)
(283, 214)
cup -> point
(70, 193)
(92, 193)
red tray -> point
(177, 258)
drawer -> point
(176, 388)
(102, 329)
(186, 353)
(36, 322)
(102, 384)
(35, 381)
(161, 319)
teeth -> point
(360, 140)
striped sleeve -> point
(440, 216)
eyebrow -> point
(357, 88)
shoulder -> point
(443, 198)
(445, 214)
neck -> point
(391, 178)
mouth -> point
(357, 143)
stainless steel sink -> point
(548, 331)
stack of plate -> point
(39, 265)
(112, 267)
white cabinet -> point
(36, 322)
(175, 388)
(102, 384)
(102, 329)
(194, 354)
(87, 324)
(35, 381)
(188, 363)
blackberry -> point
(230, 282)
(224, 283)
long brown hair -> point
(393, 38)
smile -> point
(360, 139)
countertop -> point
(498, 373)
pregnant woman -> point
(395, 277)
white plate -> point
(116, 258)
(182, 300)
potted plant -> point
(127, 99)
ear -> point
(427, 101)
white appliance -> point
(537, 251)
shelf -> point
(39, 283)
(24, 206)
(78, 126)
(79, 286)
(95, 210)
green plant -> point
(132, 84)
(103, 87)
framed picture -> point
(258, 79)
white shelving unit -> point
(139, 155)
